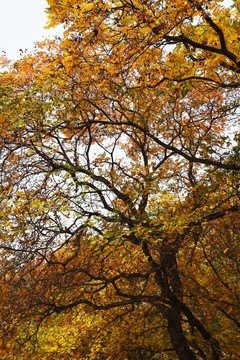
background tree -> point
(120, 185)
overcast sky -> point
(21, 24)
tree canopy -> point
(120, 198)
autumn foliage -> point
(120, 198)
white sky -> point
(21, 24)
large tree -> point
(120, 185)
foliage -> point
(119, 199)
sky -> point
(21, 24)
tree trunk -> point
(176, 334)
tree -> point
(120, 184)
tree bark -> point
(176, 334)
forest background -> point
(119, 205)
